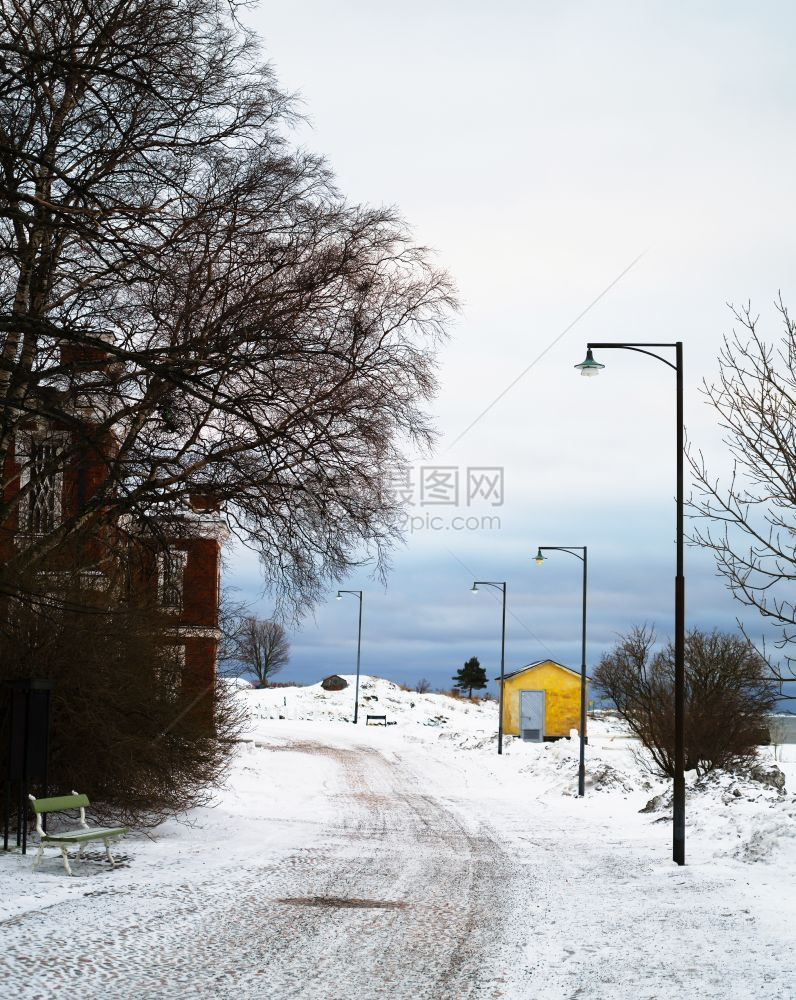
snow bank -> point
(747, 816)
(376, 697)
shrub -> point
(727, 697)
(123, 728)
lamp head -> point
(474, 589)
(590, 367)
(539, 558)
(339, 596)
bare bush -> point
(423, 686)
(450, 692)
(728, 695)
(125, 729)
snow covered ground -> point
(413, 862)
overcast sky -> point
(541, 149)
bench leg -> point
(80, 852)
(65, 856)
(37, 859)
(108, 854)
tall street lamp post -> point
(575, 550)
(592, 367)
(502, 587)
(356, 593)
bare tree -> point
(232, 613)
(748, 520)
(728, 696)
(189, 302)
(423, 686)
(262, 647)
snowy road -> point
(355, 865)
(390, 900)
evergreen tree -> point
(472, 676)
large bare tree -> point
(261, 647)
(192, 299)
(748, 518)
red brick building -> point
(188, 586)
(179, 570)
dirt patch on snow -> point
(338, 902)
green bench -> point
(83, 835)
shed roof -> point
(334, 682)
(538, 663)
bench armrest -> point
(83, 822)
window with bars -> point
(41, 509)
(171, 571)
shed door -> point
(532, 715)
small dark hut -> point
(334, 683)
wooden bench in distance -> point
(376, 718)
(81, 836)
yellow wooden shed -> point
(541, 701)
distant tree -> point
(262, 647)
(728, 695)
(472, 676)
(423, 686)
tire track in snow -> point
(228, 935)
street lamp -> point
(575, 550)
(592, 367)
(356, 593)
(502, 588)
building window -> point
(43, 499)
(171, 571)
(41, 476)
